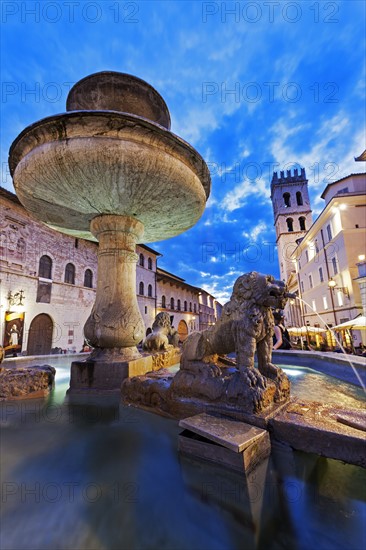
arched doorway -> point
(182, 330)
(40, 335)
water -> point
(335, 336)
(81, 476)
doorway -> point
(182, 330)
(40, 335)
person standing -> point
(281, 337)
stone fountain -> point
(110, 169)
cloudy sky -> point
(253, 86)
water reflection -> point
(78, 473)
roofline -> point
(341, 179)
(10, 195)
(148, 249)
(361, 157)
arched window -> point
(149, 263)
(149, 291)
(290, 224)
(299, 198)
(142, 260)
(302, 223)
(185, 305)
(45, 267)
(88, 278)
(194, 308)
(163, 301)
(190, 306)
(171, 303)
(287, 199)
(178, 305)
(70, 274)
(141, 288)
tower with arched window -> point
(292, 214)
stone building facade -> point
(325, 262)
(191, 308)
(48, 283)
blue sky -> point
(253, 86)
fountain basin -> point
(69, 168)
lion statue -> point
(162, 335)
(246, 326)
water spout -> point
(336, 339)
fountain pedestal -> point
(115, 325)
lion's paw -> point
(252, 377)
(272, 371)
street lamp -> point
(333, 285)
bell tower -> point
(292, 214)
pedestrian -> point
(281, 337)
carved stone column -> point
(115, 325)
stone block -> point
(224, 441)
(26, 382)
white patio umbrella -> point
(356, 324)
(303, 331)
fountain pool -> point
(106, 476)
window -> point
(329, 232)
(290, 224)
(310, 281)
(302, 286)
(299, 198)
(334, 264)
(142, 260)
(321, 276)
(88, 278)
(190, 306)
(313, 305)
(302, 221)
(70, 274)
(316, 246)
(185, 305)
(149, 291)
(163, 301)
(325, 302)
(171, 303)
(45, 267)
(287, 199)
(178, 305)
(145, 310)
(340, 298)
(195, 308)
(141, 288)
(307, 255)
(149, 263)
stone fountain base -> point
(306, 426)
(98, 376)
(172, 395)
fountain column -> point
(115, 325)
